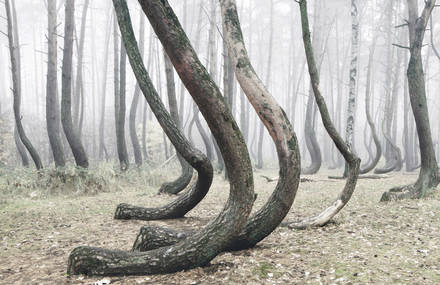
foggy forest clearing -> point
(219, 141)
(368, 242)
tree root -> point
(362, 177)
(274, 179)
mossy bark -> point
(201, 247)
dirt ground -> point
(369, 242)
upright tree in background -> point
(102, 148)
(134, 104)
(78, 151)
(120, 109)
(428, 177)
(78, 105)
(14, 51)
(351, 109)
(53, 120)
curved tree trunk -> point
(14, 51)
(134, 104)
(370, 120)
(52, 103)
(352, 161)
(185, 178)
(200, 248)
(428, 177)
(271, 114)
(66, 98)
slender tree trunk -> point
(66, 99)
(52, 103)
(134, 104)
(104, 89)
(375, 160)
(309, 124)
(352, 97)
(200, 248)
(14, 51)
(352, 161)
(428, 177)
(79, 88)
(120, 109)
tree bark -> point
(66, 112)
(309, 124)
(352, 161)
(134, 104)
(428, 176)
(200, 248)
(352, 97)
(14, 51)
(53, 120)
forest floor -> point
(368, 242)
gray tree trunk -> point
(78, 151)
(14, 51)
(428, 177)
(134, 104)
(53, 120)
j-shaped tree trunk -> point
(370, 120)
(134, 104)
(276, 208)
(53, 120)
(14, 52)
(184, 179)
(352, 161)
(66, 97)
(200, 248)
(120, 92)
(428, 177)
(169, 123)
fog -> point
(288, 81)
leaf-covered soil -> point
(369, 242)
